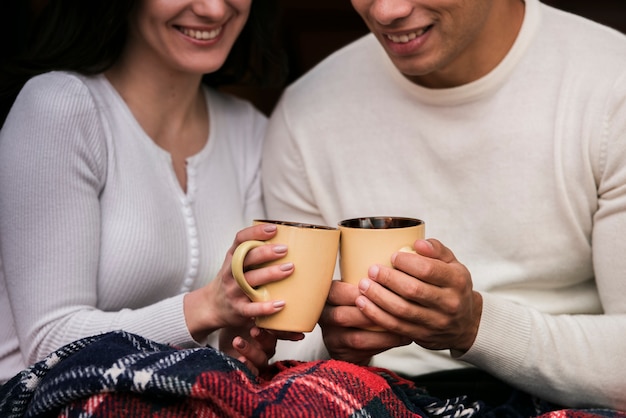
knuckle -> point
(428, 270)
(454, 306)
(356, 339)
(441, 322)
(395, 326)
(240, 237)
(404, 310)
(384, 275)
(338, 317)
(414, 289)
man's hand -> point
(427, 297)
(343, 327)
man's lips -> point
(407, 37)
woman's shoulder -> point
(57, 92)
(58, 103)
(62, 82)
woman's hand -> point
(253, 346)
(222, 303)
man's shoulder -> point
(341, 62)
(583, 34)
(343, 70)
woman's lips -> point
(200, 35)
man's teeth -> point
(202, 35)
(402, 39)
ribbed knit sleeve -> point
(52, 169)
(96, 233)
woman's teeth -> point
(202, 35)
(402, 39)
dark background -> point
(310, 30)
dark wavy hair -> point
(87, 36)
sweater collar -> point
(484, 86)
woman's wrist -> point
(200, 319)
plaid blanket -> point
(125, 375)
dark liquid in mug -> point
(296, 224)
(380, 222)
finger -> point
(250, 352)
(396, 283)
(388, 309)
(264, 254)
(429, 270)
(261, 232)
(433, 248)
(249, 309)
(354, 340)
(395, 324)
(441, 334)
(265, 340)
(260, 276)
(342, 293)
(344, 316)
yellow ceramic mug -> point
(313, 251)
(372, 240)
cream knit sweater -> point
(521, 173)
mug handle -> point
(256, 295)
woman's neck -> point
(170, 107)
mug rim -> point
(404, 222)
(295, 224)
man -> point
(501, 124)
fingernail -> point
(280, 249)
(269, 228)
(360, 302)
(278, 303)
(373, 271)
(286, 266)
(255, 332)
(364, 284)
(240, 343)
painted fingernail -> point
(278, 303)
(240, 343)
(286, 266)
(279, 249)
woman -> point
(123, 175)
